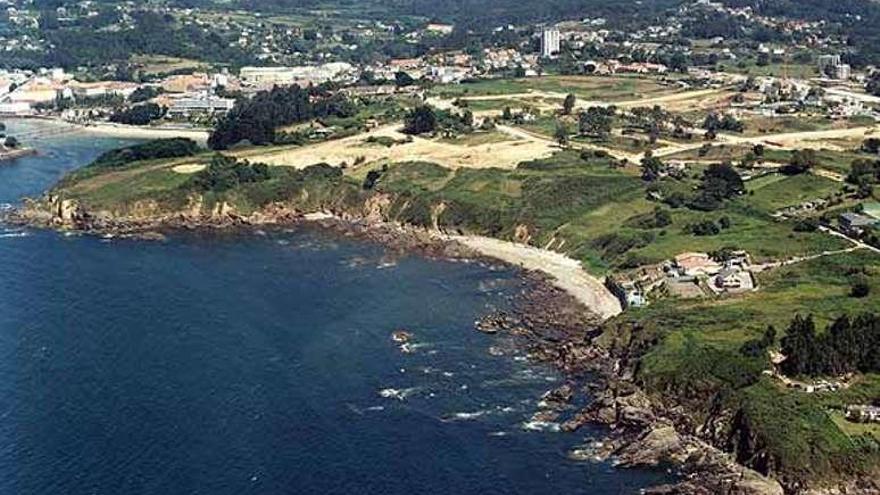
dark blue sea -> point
(260, 363)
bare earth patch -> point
(497, 152)
(190, 168)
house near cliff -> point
(863, 414)
(631, 288)
(695, 264)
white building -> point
(550, 42)
(828, 61)
(842, 71)
(304, 75)
(204, 105)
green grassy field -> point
(749, 67)
(604, 88)
(773, 192)
(834, 160)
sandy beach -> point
(567, 273)
(128, 131)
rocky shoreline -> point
(13, 154)
(553, 326)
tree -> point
(763, 59)
(651, 167)
(801, 161)
(757, 347)
(561, 135)
(144, 93)
(860, 288)
(420, 120)
(11, 142)
(138, 114)
(758, 150)
(596, 122)
(678, 62)
(372, 178)
(873, 84)
(715, 122)
(870, 145)
(720, 182)
(402, 79)
(799, 347)
(568, 104)
(467, 118)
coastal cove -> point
(262, 362)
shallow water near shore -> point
(261, 362)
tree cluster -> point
(715, 122)
(138, 114)
(758, 347)
(720, 182)
(847, 345)
(224, 173)
(159, 148)
(709, 227)
(425, 119)
(596, 121)
(801, 161)
(256, 119)
(872, 85)
(864, 172)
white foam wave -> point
(399, 394)
(466, 416)
(541, 426)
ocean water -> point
(261, 363)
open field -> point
(474, 151)
(159, 64)
(778, 191)
(749, 67)
(855, 429)
(833, 160)
(598, 88)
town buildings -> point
(550, 42)
(301, 75)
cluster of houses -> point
(688, 275)
(863, 414)
(803, 209)
(856, 224)
(817, 386)
(25, 93)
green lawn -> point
(775, 191)
(604, 88)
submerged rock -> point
(401, 336)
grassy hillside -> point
(584, 204)
(696, 362)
